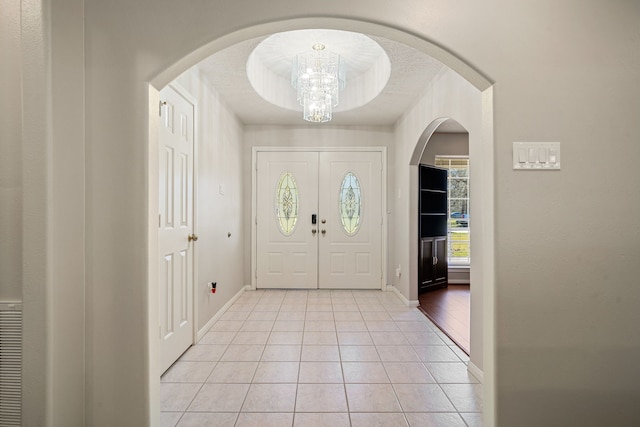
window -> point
(457, 207)
(287, 203)
(350, 204)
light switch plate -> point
(536, 155)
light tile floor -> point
(321, 358)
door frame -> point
(183, 92)
(254, 213)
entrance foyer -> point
(319, 220)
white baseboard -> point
(475, 371)
(220, 312)
(404, 300)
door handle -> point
(314, 231)
(323, 231)
(193, 237)
(435, 260)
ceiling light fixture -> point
(318, 75)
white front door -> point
(176, 225)
(319, 220)
(287, 197)
(350, 251)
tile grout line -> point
(295, 399)
(254, 373)
(395, 393)
(344, 379)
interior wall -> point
(567, 336)
(10, 150)
(220, 204)
(67, 204)
(313, 136)
(445, 144)
(36, 239)
(448, 95)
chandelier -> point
(318, 76)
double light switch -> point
(536, 155)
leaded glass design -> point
(287, 203)
(350, 204)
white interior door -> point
(343, 248)
(176, 225)
(350, 240)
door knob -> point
(193, 237)
(314, 231)
(323, 231)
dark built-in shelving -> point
(432, 252)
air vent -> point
(10, 363)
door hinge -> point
(160, 332)
(159, 220)
(160, 105)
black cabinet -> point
(432, 263)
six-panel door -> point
(175, 225)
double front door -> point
(319, 220)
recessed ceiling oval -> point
(367, 66)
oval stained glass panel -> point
(287, 203)
(350, 204)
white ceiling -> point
(411, 71)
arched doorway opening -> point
(445, 300)
(404, 177)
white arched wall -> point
(449, 96)
(111, 367)
(477, 326)
(426, 135)
(449, 90)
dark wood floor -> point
(449, 309)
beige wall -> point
(219, 152)
(66, 313)
(10, 150)
(445, 144)
(566, 318)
